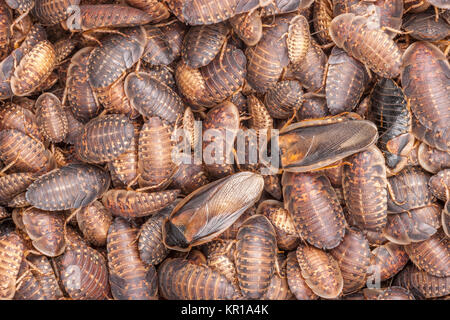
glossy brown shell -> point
(11, 253)
(133, 204)
(296, 282)
(152, 98)
(114, 99)
(387, 260)
(314, 208)
(180, 279)
(191, 86)
(45, 230)
(346, 81)
(69, 187)
(51, 118)
(6, 19)
(155, 161)
(199, 12)
(33, 69)
(255, 256)
(156, 9)
(118, 53)
(94, 221)
(323, 14)
(130, 278)
(51, 12)
(432, 160)
(157, 50)
(424, 27)
(320, 271)
(364, 184)
(431, 255)
(15, 116)
(353, 257)
(284, 99)
(298, 39)
(189, 177)
(313, 108)
(83, 271)
(14, 184)
(104, 138)
(440, 184)
(248, 27)
(372, 47)
(425, 80)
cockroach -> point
(422, 282)
(346, 81)
(260, 117)
(278, 289)
(11, 252)
(431, 255)
(92, 17)
(440, 3)
(157, 50)
(298, 39)
(296, 282)
(114, 99)
(374, 47)
(416, 6)
(202, 43)
(306, 145)
(285, 98)
(409, 190)
(52, 12)
(94, 222)
(117, 53)
(129, 277)
(414, 225)
(220, 129)
(152, 98)
(390, 112)
(75, 127)
(28, 286)
(83, 271)
(51, 118)
(82, 100)
(424, 27)
(174, 33)
(269, 56)
(353, 256)
(389, 293)
(162, 74)
(440, 184)
(364, 184)
(182, 279)
(425, 82)
(33, 69)
(323, 14)
(186, 227)
(14, 116)
(231, 232)
(320, 271)
(225, 74)
(189, 177)
(311, 71)
(192, 87)
(220, 257)
(63, 48)
(155, 8)
(312, 108)
(255, 256)
(13, 184)
(387, 260)
(69, 187)
(432, 160)
(314, 208)
(132, 204)
(155, 162)
(104, 138)
(151, 247)
(248, 27)
(6, 20)
(24, 153)
(4, 213)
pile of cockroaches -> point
(94, 205)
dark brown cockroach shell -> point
(51, 118)
(11, 253)
(94, 222)
(432, 160)
(387, 260)
(285, 98)
(69, 187)
(296, 282)
(204, 214)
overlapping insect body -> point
(94, 222)
(432, 160)
(424, 27)
(51, 118)
(52, 12)
(157, 50)
(11, 253)
(387, 260)
(296, 282)
(323, 14)
(248, 27)
(284, 99)
(155, 8)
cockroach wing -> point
(210, 210)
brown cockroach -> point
(323, 14)
(94, 222)
(414, 225)
(364, 184)
(114, 99)
(153, 98)
(186, 227)
(387, 260)
(202, 43)
(157, 50)
(425, 82)
(440, 184)
(82, 100)
(312, 108)
(69, 187)
(129, 277)
(284, 99)
(371, 46)
(255, 256)
(83, 271)
(432, 160)
(13, 184)
(314, 208)
(52, 12)
(155, 161)
(14, 116)
(189, 177)
(278, 289)
(104, 138)
(220, 257)
(51, 117)
(132, 204)
(183, 279)
(296, 282)
(6, 20)
(353, 257)
(298, 39)
(174, 33)
(248, 27)
(424, 27)
(346, 81)
(320, 271)
(431, 255)
(11, 253)
(155, 8)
